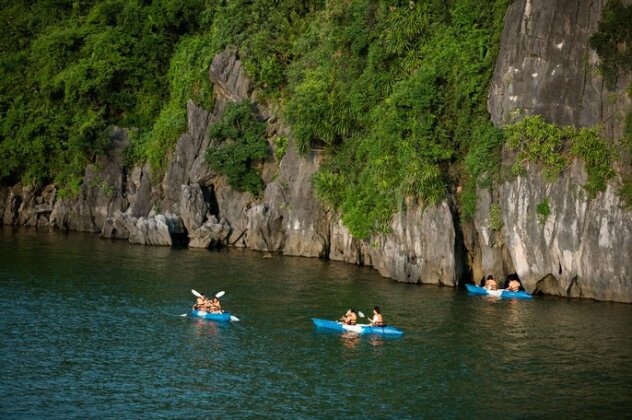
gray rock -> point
(229, 78)
(115, 226)
(193, 208)
(139, 191)
(210, 234)
(584, 244)
(546, 66)
(154, 230)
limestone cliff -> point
(544, 66)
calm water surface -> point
(91, 328)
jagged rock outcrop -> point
(545, 66)
(154, 230)
(581, 249)
(421, 247)
(210, 234)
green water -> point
(91, 328)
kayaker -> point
(200, 302)
(490, 283)
(350, 318)
(214, 306)
(377, 320)
(514, 284)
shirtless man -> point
(490, 283)
(349, 318)
(514, 285)
(214, 306)
(200, 302)
(377, 320)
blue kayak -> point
(224, 317)
(358, 328)
(505, 294)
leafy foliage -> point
(543, 210)
(72, 69)
(613, 40)
(539, 142)
(395, 93)
(495, 217)
(239, 143)
(552, 148)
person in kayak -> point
(490, 283)
(349, 318)
(200, 302)
(513, 284)
(214, 306)
(377, 320)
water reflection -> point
(350, 339)
(376, 340)
(205, 327)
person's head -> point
(376, 309)
(490, 277)
(352, 311)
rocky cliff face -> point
(544, 66)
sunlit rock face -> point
(545, 66)
(581, 248)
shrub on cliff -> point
(238, 144)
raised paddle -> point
(217, 295)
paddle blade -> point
(361, 314)
(220, 294)
(196, 293)
(234, 318)
(184, 315)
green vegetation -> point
(395, 94)
(539, 142)
(392, 93)
(395, 91)
(238, 144)
(543, 210)
(72, 69)
(495, 217)
(613, 41)
(553, 148)
(280, 147)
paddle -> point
(217, 295)
(362, 316)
